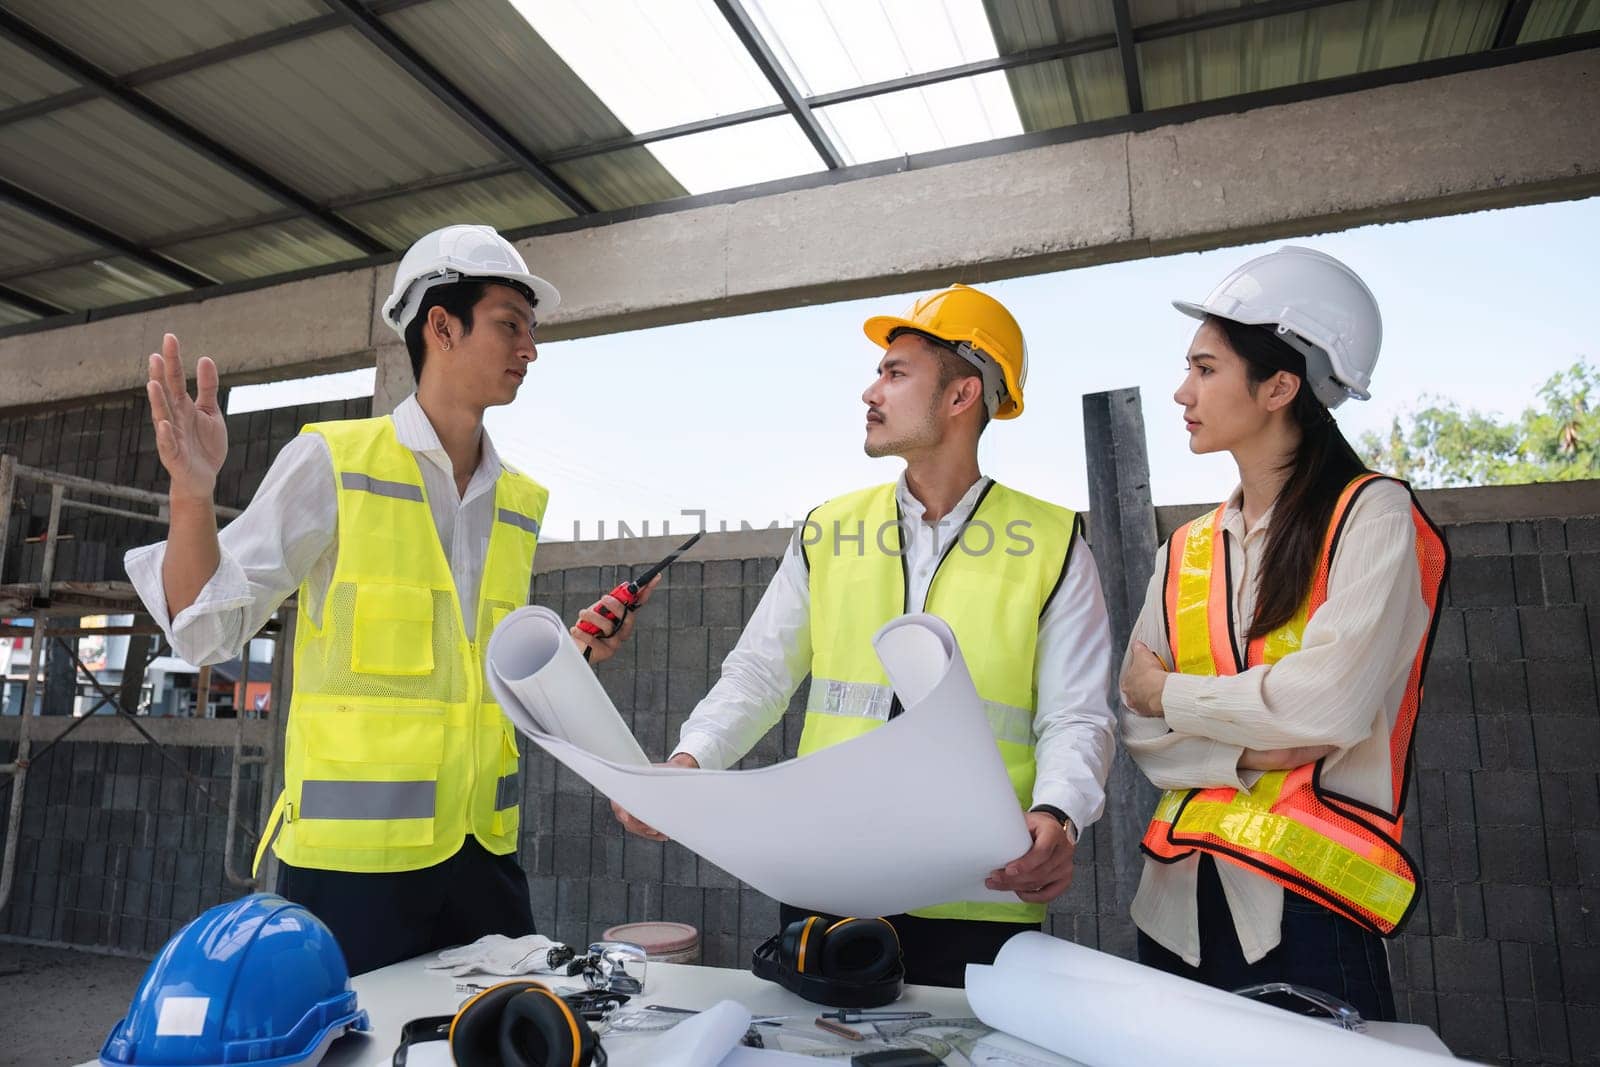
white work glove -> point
(497, 954)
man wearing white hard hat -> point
(1274, 676)
(407, 539)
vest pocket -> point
(370, 779)
(393, 629)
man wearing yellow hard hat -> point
(1010, 573)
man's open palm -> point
(191, 433)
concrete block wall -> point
(1503, 953)
(119, 847)
(112, 440)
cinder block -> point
(1478, 539)
(1516, 971)
(1556, 573)
(572, 855)
(1511, 855)
(1464, 860)
(644, 901)
(1492, 633)
(1435, 855)
(1587, 846)
(1583, 789)
(1522, 1023)
(1585, 570)
(1463, 966)
(1470, 919)
(1554, 1028)
(1559, 632)
(1446, 688)
(573, 813)
(710, 876)
(679, 865)
(1520, 913)
(1524, 538)
(1499, 688)
(683, 904)
(605, 857)
(1446, 742)
(1450, 638)
(1507, 798)
(1562, 854)
(641, 859)
(608, 902)
(1568, 743)
(1505, 742)
(1580, 974)
(572, 906)
(1481, 581)
(1583, 533)
(687, 648)
(1556, 800)
(758, 915)
(723, 606)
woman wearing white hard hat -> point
(1274, 675)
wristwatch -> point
(1061, 817)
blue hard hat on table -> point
(256, 981)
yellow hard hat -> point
(974, 324)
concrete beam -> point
(1514, 134)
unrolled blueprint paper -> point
(915, 813)
(702, 1040)
(1106, 1012)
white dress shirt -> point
(290, 534)
(1343, 687)
(1074, 726)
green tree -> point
(1441, 445)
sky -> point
(758, 418)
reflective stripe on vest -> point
(991, 586)
(1333, 849)
(864, 700)
(393, 749)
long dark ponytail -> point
(1322, 465)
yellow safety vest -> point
(1290, 826)
(992, 585)
(394, 749)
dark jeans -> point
(1319, 949)
(379, 919)
(937, 951)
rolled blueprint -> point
(914, 813)
(1106, 1012)
(545, 686)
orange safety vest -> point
(1336, 850)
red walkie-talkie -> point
(628, 592)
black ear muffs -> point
(851, 963)
(522, 1024)
(860, 950)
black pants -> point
(937, 951)
(1319, 949)
(379, 919)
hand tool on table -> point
(846, 1015)
(628, 592)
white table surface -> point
(404, 991)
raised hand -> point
(191, 433)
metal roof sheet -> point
(102, 162)
(329, 114)
(125, 35)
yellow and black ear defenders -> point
(847, 963)
(522, 1024)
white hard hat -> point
(450, 254)
(1320, 308)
